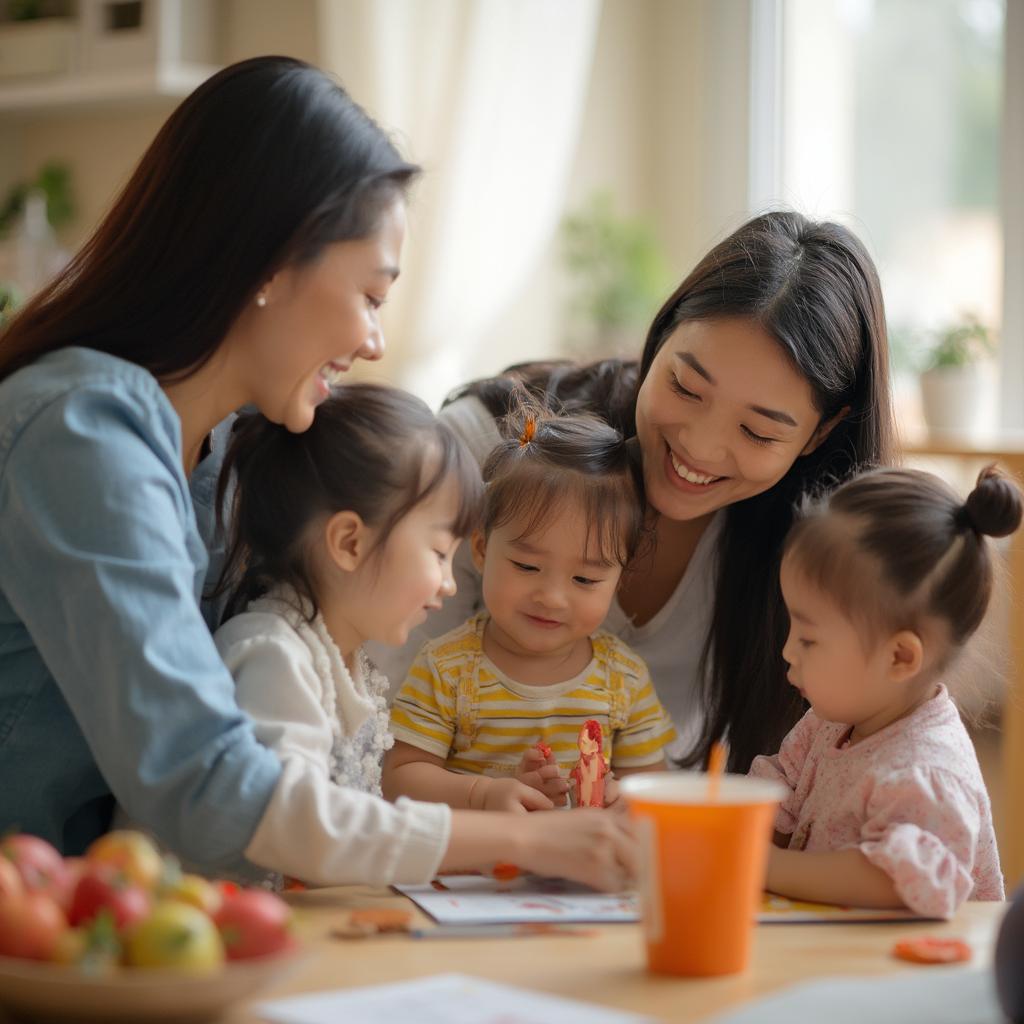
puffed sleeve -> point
(277, 685)
(648, 729)
(922, 829)
(787, 766)
(423, 714)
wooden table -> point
(608, 967)
(1008, 452)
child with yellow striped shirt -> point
(490, 713)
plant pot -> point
(957, 400)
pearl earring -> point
(261, 300)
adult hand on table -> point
(588, 846)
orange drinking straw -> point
(716, 765)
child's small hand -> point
(509, 795)
(612, 794)
(539, 770)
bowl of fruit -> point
(122, 934)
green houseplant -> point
(21, 261)
(954, 378)
(54, 181)
(617, 275)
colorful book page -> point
(480, 899)
(780, 910)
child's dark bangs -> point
(455, 462)
(827, 553)
(450, 459)
(613, 516)
(532, 495)
(528, 493)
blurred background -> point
(581, 155)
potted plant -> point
(29, 252)
(617, 275)
(54, 181)
(955, 378)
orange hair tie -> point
(529, 429)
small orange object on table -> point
(505, 872)
(365, 921)
(929, 949)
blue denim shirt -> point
(110, 684)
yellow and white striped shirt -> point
(456, 704)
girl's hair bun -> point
(995, 506)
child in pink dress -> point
(885, 580)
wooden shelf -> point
(993, 446)
(108, 54)
(127, 87)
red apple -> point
(11, 884)
(41, 867)
(101, 888)
(254, 923)
(31, 926)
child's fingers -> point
(612, 793)
(534, 800)
(626, 849)
(549, 771)
(531, 761)
(532, 779)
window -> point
(889, 120)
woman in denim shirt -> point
(244, 263)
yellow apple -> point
(194, 890)
(176, 935)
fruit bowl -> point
(50, 992)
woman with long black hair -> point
(243, 264)
(764, 374)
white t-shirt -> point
(671, 643)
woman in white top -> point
(764, 374)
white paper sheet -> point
(479, 899)
(928, 995)
(441, 999)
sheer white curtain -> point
(488, 95)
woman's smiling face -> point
(316, 320)
(721, 416)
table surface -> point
(607, 967)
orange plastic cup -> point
(702, 867)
